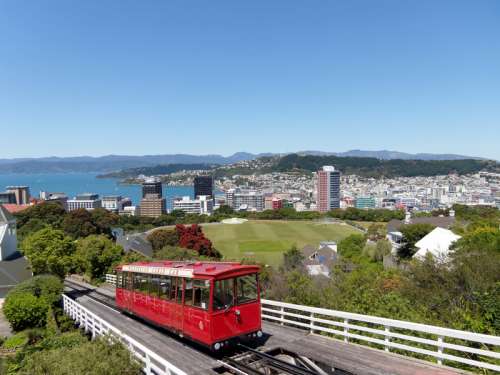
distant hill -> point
(112, 163)
(390, 155)
(373, 167)
(115, 163)
(158, 170)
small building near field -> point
(437, 243)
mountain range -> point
(117, 162)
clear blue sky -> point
(96, 77)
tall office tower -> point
(152, 187)
(22, 193)
(203, 185)
(328, 189)
(152, 203)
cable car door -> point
(177, 313)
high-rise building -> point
(203, 185)
(152, 207)
(152, 202)
(328, 189)
(152, 186)
(22, 193)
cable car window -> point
(173, 287)
(246, 288)
(179, 290)
(119, 279)
(164, 291)
(141, 281)
(188, 292)
(223, 294)
(154, 286)
(127, 280)
(201, 293)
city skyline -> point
(126, 78)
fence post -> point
(147, 364)
(440, 350)
(387, 338)
(312, 323)
(346, 330)
(282, 316)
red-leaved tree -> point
(192, 237)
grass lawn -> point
(265, 241)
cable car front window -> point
(246, 288)
(223, 294)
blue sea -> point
(76, 183)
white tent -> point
(437, 242)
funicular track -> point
(242, 360)
(277, 361)
(82, 290)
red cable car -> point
(211, 303)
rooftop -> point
(189, 269)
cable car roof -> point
(189, 269)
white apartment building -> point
(203, 205)
(251, 200)
(87, 201)
(115, 203)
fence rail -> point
(153, 363)
(111, 279)
(440, 343)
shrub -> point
(48, 287)
(65, 340)
(97, 357)
(163, 237)
(24, 310)
(18, 340)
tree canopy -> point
(49, 251)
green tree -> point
(24, 310)
(382, 249)
(48, 287)
(50, 213)
(302, 289)
(412, 233)
(224, 210)
(106, 359)
(163, 237)
(376, 232)
(292, 259)
(95, 255)
(104, 220)
(79, 223)
(352, 246)
(49, 251)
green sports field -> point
(265, 241)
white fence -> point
(111, 279)
(440, 343)
(153, 363)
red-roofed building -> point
(13, 208)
